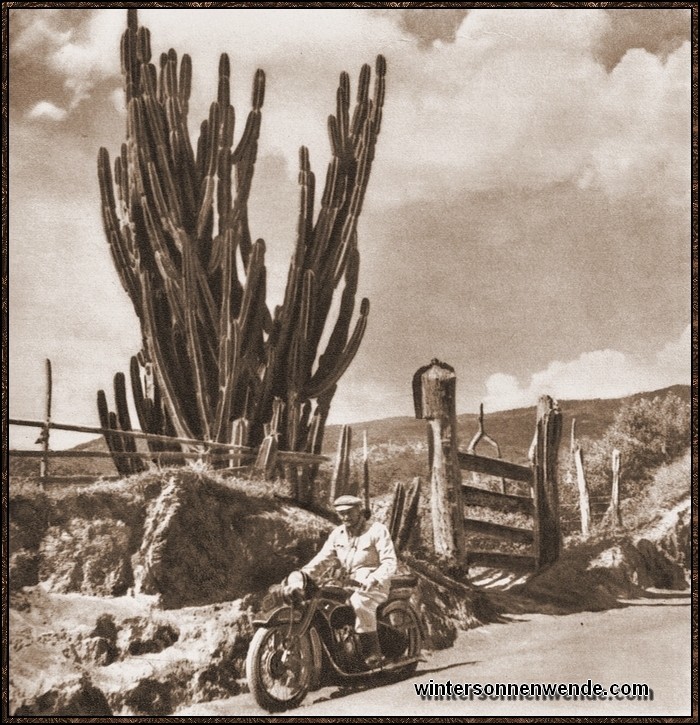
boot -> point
(371, 651)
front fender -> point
(282, 614)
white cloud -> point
(46, 109)
(518, 99)
(83, 55)
(597, 374)
(35, 30)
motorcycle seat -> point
(402, 581)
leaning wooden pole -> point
(340, 480)
(365, 475)
(434, 389)
(544, 453)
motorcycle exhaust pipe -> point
(387, 667)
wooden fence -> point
(238, 457)
(434, 397)
(266, 460)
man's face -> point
(352, 517)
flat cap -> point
(346, 502)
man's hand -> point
(368, 584)
(294, 595)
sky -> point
(527, 220)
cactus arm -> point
(118, 248)
(320, 383)
(339, 336)
(113, 444)
(194, 350)
(166, 383)
(143, 405)
(134, 464)
(228, 344)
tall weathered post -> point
(44, 437)
(434, 399)
(365, 475)
(543, 456)
(584, 499)
(614, 509)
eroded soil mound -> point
(181, 535)
(204, 542)
(596, 574)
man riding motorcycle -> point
(363, 551)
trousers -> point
(365, 605)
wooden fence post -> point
(239, 437)
(44, 437)
(544, 452)
(396, 510)
(365, 475)
(615, 515)
(409, 517)
(403, 514)
(434, 398)
(584, 498)
(266, 462)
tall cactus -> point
(178, 232)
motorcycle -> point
(305, 625)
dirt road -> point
(647, 642)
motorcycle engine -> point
(347, 648)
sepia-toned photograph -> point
(348, 366)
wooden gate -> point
(434, 397)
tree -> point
(647, 433)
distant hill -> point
(28, 467)
(512, 429)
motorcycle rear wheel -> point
(399, 617)
(279, 669)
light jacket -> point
(371, 554)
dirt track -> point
(648, 642)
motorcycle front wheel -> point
(279, 668)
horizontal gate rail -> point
(504, 502)
(511, 534)
(494, 467)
